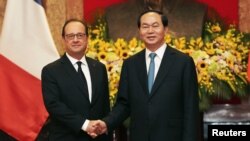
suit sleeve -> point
(121, 108)
(54, 106)
(191, 105)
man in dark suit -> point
(165, 109)
(75, 88)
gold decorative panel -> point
(244, 18)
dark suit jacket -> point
(67, 102)
(170, 112)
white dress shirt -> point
(158, 58)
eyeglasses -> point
(78, 36)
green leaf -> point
(221, 89)
(241, 86)
(204, 101)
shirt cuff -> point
(85, 125)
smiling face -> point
(75, 39)
(152, 31)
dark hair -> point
(164, 18)
(75, 20)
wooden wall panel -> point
(2, 9)
(74, 9)
(56, 15)
(244, 18)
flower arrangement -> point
(221, 62)
(220, 58)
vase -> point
(234, 100)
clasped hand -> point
(96, 127)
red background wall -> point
(226, 9)
(91, 6)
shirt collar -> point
(73, 60)
(159, 52)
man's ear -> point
(166, 30)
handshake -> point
(96, 127)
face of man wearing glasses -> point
(75, 39)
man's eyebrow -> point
(150, 24)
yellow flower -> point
(168, 39)
(132, 44)
(198, 43)
(188, 51)
(111, 56)
(120, 43)
(109, 67)
(216, 28)
(92, 54)
(95, 31)
(124, 54)
(201, 66)
(180, 43)
(102, 55)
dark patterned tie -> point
(81, 74)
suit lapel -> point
(167, 62)
(142, 71)
(73, 74)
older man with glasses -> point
(75, 88)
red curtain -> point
(92, 6)
(226, 9)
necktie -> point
(81, 74)
(151, 71)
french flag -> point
(26, 45)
